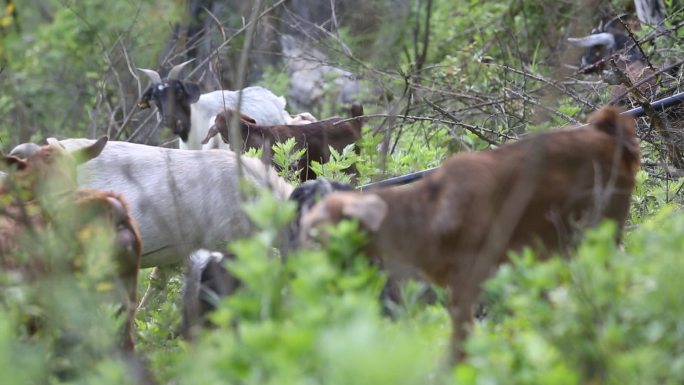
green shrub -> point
(311, 318)
(605, 316)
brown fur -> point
(34, 194)
(315, 137)
(94, 204)
(457, 224)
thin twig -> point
(473, 129)
(216, 51)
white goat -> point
(182, 200)
(190, 114)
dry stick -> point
(427, 119)
(135, 109)
(125, 122)
(536, 103)
(233, 36)
(422, 55)
(471, 96)
(477, 106)
(386, 140)
(637, 44)
(644, 80)
(344, 51)
(408, 178)
(102, 44)
(111, 65)
(408, 93)
(501, 100)
(552, 83)
(141, 126)
(413, 78)
(347, 52)
(235, 136)
(217, 21)
(473, 129)
(333, 17)
(392, 74)
(656, 121)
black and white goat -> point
(632, 74)
(189, 113)
(604, 41)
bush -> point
(605, 316)
(311, 318)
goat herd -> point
(453, 227)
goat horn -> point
(604, 38)
(152, 74)
(176, 70)
(613, 20)
(24, 150)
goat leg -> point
(158, 280)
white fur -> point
(182, 200)
(258, 103)
(300, 119)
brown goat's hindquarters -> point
(458, 223)
(126, 249)
(44, 186)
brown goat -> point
(36, 195)
(315, 137)
(458, 223)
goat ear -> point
(210, 134)
(54, 142)
(13, 161)
(85, 154)
(192, 91)
(369, 209)
(247, 119)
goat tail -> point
(356, 110)
(622, 127)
